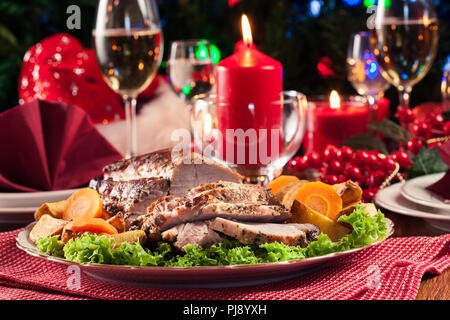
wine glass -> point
(406, 36)
(445, 90)
(190, 68)
(363, 70)
(128, 45)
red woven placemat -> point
(390, 270)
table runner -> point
(390, 270)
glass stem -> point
(404, 97)
(372, 100)
(130, 118)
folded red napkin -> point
(442, 187)
(50, 146)
(390, 270)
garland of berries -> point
(371, 169)
(432, 131)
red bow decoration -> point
(60, 69)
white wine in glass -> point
(128, 45)
(190, 68)
(406, 36)
(363, 71)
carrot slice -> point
(84, 203)
(95, 225)
(279, 183)
(320, 197)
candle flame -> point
(335, 100)
(246, 30)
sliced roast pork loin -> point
(221, 199)
(129, 197)
(258, 233)
(131, 185)
(207, 233)
(198, 234)
(183, 172)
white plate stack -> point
(19, 207)
(411, 198)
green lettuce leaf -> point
(51, 246)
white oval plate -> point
(32, 199)
(390, 198)
(194, 277)
(415, 190)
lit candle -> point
(334, 121)
(248, 84)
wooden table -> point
(433, 287)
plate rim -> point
(420, 201)
(35, 252)
(18, 210)
(18, 195)
(406, 212)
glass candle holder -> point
(256, 141)
(326, 125)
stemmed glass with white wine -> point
(363, 70)
(128, 45)
(406, 37)
(190, 68)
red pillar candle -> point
(382, 109)
(334, 122)
(248, 85)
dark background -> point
(286, 30)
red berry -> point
(353, 173)
(361, 158)
(375, 179)
(405, 115)
(446, 128)
(434, 144)
(298, 163)
(330, 153)
(373, 161)
(369, 194)
(331, 179)
(414, 145)
(402, 158)
(436, 120)
(345, 154)
(387, 165)
(335, 167)
(421, 129)
(313, 159)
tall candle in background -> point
(334, 122)
(248, 83)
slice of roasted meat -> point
(291, 234)
(183, 171)
(129, 197)
(199, 234)
(241, 202)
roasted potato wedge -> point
(303, 214)
(350, 193)
(54, 209)
(117, 222)
(133, 236)
(47, 226)
(287, 194)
